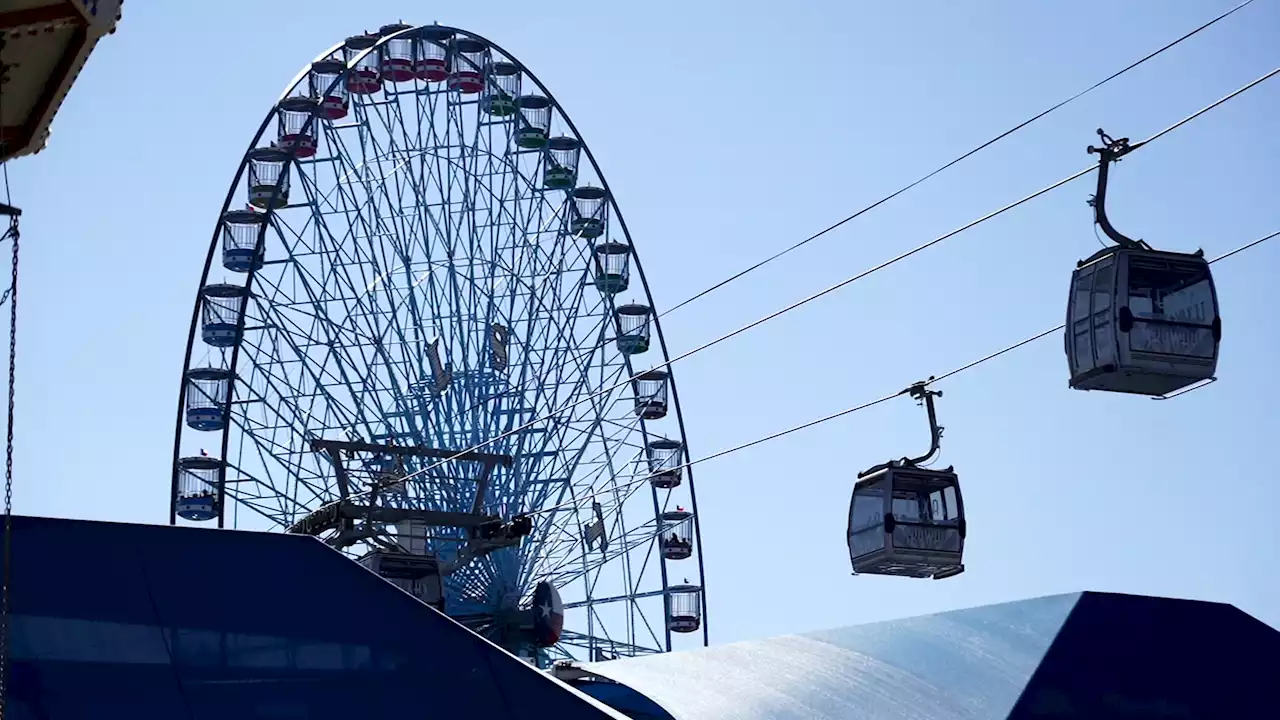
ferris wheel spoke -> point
(321, 488)
(271, 315)
(622, 432)
(603, 459)
(633, 609)
(581, 373)
(265, 445)
(242, 487)
(378, 347)
(557, 434)
(570, 551)
(332, 331)
(287, 500)
(620, 546)
(250, 480)
(550, 439)
(630, 541)
(290, 503)
(285, 399)
(592, 420)
(567, 488)
(616, 648)
(413, 235)
(560, 361)
(373, 274)
(632, 637)
(638, 611)
(445, 293)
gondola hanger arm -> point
(1111, 151)
(920, 391)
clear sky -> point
(727, 131)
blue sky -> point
(727, 131)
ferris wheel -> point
(423, 336)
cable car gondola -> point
(1139, 320)
(908, 520)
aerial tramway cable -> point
(854, 278)
(961, 158)
(885, 398)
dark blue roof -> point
(140, 621)
(1087, 655)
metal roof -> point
(45, 45)
(1091, 655)
(142, 621)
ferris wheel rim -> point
(268, 214)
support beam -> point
(482, 487)
(340, 470)
(42, 15)
(410, 450)
(333, 515)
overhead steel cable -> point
(858, 408)
(839, 285)
(956, 161)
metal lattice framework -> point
(431, 258)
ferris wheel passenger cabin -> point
(500, 96)
(590, 212)
(396, 57)
(684, 608)
(325, 88)
(198, 478)
(268, 178)
(612, 267)
(675, 534)
(208, 393)
(534, 129)
(296, 127)
(561, 170)
(431, 54)
(365, 76)
(651, 394)
(1140, 320)
(241, 232)
(665, 463)
(221, 305)
(633, 320)
(905, 519)
(470, 60)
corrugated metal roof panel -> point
(1080, 655)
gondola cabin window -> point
(1171, 291)
(927, 515)
(866, 520)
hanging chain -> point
(12, 294)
